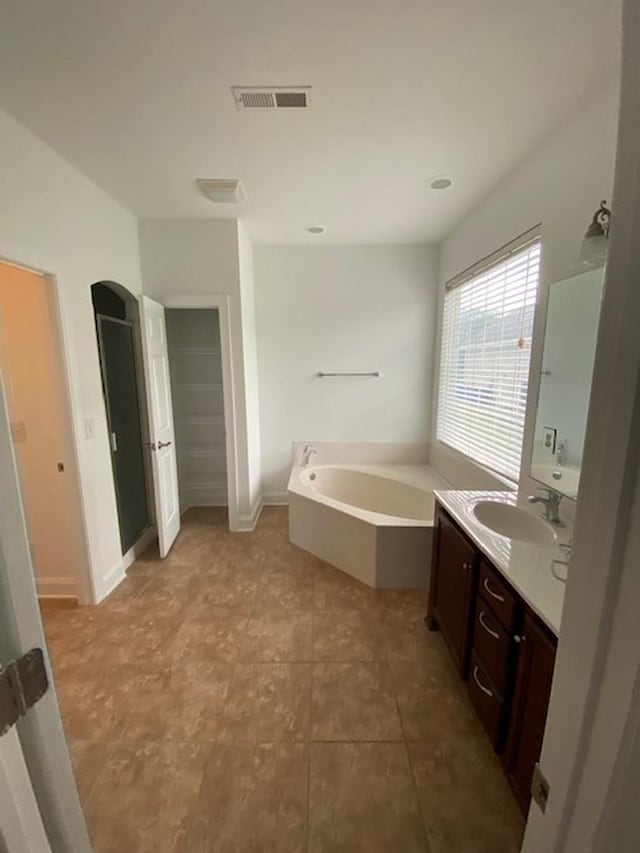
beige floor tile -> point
(207, 653)
(432, 700)
(88, 759)
(405, 637)
(277, 635)
(143, 797)
(185, 708)
(353, 702)
(292, 590)
(411, 603)
(135, 631)
(466, 801)
(346, 635)
(362, 798)
(233, 590)
(335, 590)
(253, 798)
(95, 701)
(216, 637)
(167, 593)
(267, 702)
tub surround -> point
(374, 522)
(525, 566)
(363, 452)
(369, 490)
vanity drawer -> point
(498, 596)
(487, 702)
(492, 645)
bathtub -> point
(375, 522)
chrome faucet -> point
(307, 453)
(551, 505)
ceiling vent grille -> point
(270, 97)
(222, 190)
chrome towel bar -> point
(376, 373)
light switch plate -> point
(539, 788)
(18, 432)
(89, 427)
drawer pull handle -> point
(479, 683)
(493, 594)
(481, 618)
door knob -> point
(162, 444)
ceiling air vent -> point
(271, 97)
(222, 190)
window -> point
(484, 358)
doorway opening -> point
(195, 360)
(117, 327)
(33, 377)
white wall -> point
(347, 308)
(559, 185)
(183, 257)
(54, 219)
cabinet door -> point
(454, 570)
(536, 658)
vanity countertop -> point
(525, 566)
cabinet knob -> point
(466, 566)
(519, 638)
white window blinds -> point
(485, 352)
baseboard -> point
(56, 588)
(110, 580)
(275, 499)
(139, 547)
(247, 523)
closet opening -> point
(117, 326)
(195, 362)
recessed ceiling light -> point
(440, 183)
(315, 229)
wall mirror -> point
(565, 385)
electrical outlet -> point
(549, 439)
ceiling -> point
(136, 94)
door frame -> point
(20, 819)
(593, 727)
(85, 590)
(40, 731)
(134, 325)
(222, 302)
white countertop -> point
(525, 566)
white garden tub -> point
(374, 522)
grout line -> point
(409, 762)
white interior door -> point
(161, 433)
(21, 827)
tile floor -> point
(243, 697)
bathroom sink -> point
(514, 522)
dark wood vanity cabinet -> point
(536, 659)
(499, 645)
(452, 588)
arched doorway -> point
(116, 314)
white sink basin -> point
(514, 522)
